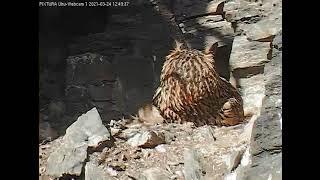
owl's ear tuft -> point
(212, 49)
(178, 45)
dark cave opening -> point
(125, 60)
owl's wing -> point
(156, 94)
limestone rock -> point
(277, 44)
(146, 139)
(94, 172)
(161, 148)
(253, 92)
(192, 168)
(265, 28)
(114, 131)
(240, 171)
(268, 168)
(203, 134)
(245, 136)
(44, 177)
(246, 53)
(233, 159)
(249, 14)
(88, 128)
(154, 174)
(267, 127)
(87, 131)
(262, 31)
(67, 160)
(111, 171)
(266, 141)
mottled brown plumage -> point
(192, 90)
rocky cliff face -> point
(114, 66)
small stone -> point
(128, 133)
(111, 171)
(118, 166)
(114, 131)
(161, 148)
(147, 139)
(124, 157)
(42, 170)
(112, 123)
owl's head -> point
(209, 50)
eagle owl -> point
(191, 90)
